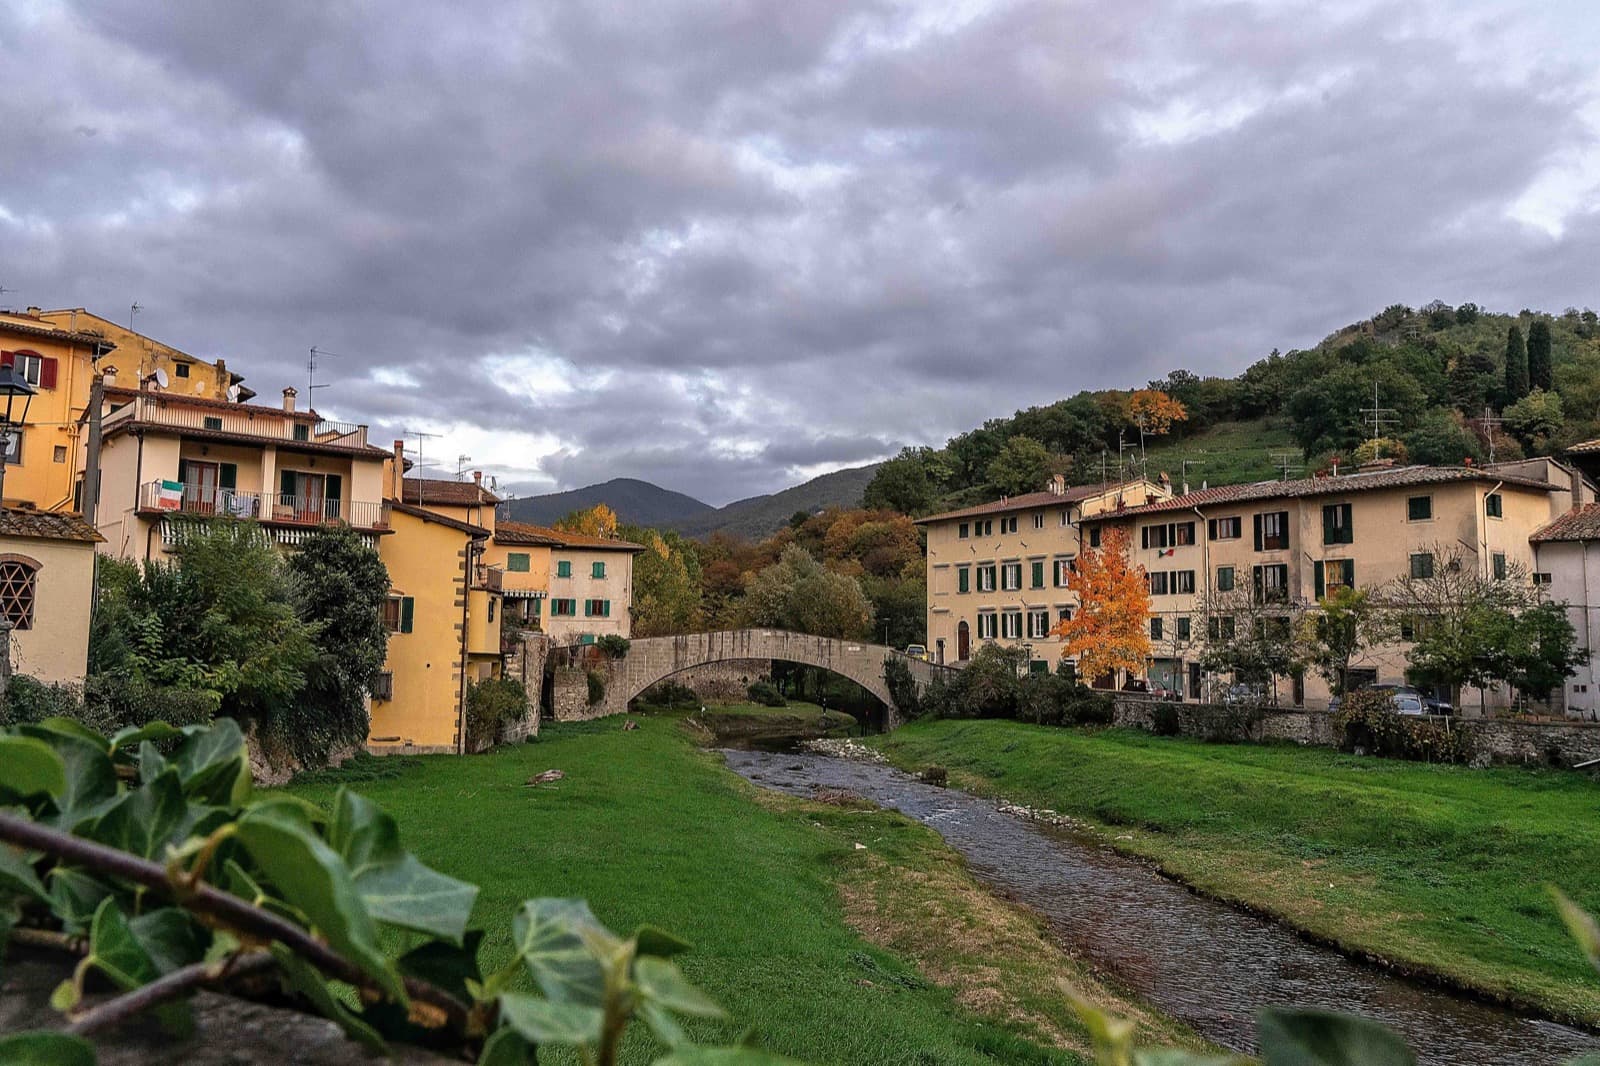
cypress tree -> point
(1540, 374)
(1516, 366)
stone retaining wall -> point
(525, 658)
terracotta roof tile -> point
(438, 519)
(1580, 524)
(46, 525)
(559, 538)
(1021, 503)
(444, 493)
(523, 533)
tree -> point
(1516, 367)
(1467, 314)
(1254, 638)
(666, 583)
(1535, 418)
(339, 586)
(1471, 380)
(1440, 439)
(1539, 366)
(1154, 412)
(1327, 411)
(1110, 630)
(1348, 623)
(1542, 651)
(1022, 465)
(908, 483)
(596, 521)
(900, 606)
(800, 594)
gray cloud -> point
(721, 246)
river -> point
(1204, 962)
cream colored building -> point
(1292, 542)
(998, 571)
(1566, 562)
(46, 590)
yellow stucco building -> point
(46, 585)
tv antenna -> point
(421, 436)
(461, 466)
(311, 369)
(133, 309)
(1183, 470)
(1378, 417)
(1285, 462)
(1490, 424)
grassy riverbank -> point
(888, 953)
(1442, 869)
(749, 723)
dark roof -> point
(1022, 503)
(120, 392)
(1582, 523)
(129, 425)
(443, 493)
(1389, 478)
(46, 525)
(523, 533)
(434, 516)
(526, 533)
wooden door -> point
(963, 643)
(200, 484)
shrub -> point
(1366, 722)
(902, 687)
(1165, 721)
(106, 703)
(1052, 699)
(492, 705)
(669, 695)
(30, 700)
(612, 646)
(766, 694)
(597, 687)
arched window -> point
(19, 583)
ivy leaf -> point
(662, 982)
(663, 1025)
(506, 1047)
(411, 896)
(213, 763)
(724, 1056)
(139, 735)
(1178, 1057)
(74, 897)
(653, 941)
(91, 782)
(312, 877)
(30, 767)
(547, 935)
(446, 966)
(70, 728)
(116, 952)
(144, 820)
(151, 762)
(309, 982)
(45, 1049)
(1581, 925)
(364, 833)
(170, 937)
(1327, 1038)
(17, 876)
(544, 1022)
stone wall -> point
(728, 680)
(1503, 740)
(525, 658)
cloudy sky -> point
(724, 246)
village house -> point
(998, 571)
(46, 592)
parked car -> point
(1245, 694)
(917, 651)
(1406, 699)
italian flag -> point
(169, 496)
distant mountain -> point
(635, 501)
(761, 516)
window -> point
(988, 626)
(1182, 582)
(1011, 625)
(399, 613)
(1422, 565)
(1336, 524)
(1008, 524)
(988, 527)
(302, 431)
(563, 608)
(1272, 531)
(1038, 624)
(212, 422)
(1153, 536)
(1011, 576)
(1419, 509)
(1183, 627)
(1036, 574)
(597, 571)
(1094, 537)
(1063, 614)
(597, 608)
(1272, 583)
(1038, 520)
(537, 607)
(18, 589)
(492, 602)
(1331, 574)
(1063, 572)
(1540, 578)
(13, 442)
(1155, 628)
(60, 455)
(986, 577)
(1231, 528)
(180, 370)
(382, 685)
(1497, 563)
(1157, 580)
(518, 562)
(1063, 518)
(564, 568)
(1221, 627)
(1224, 579)
(1493, 506)
(1170, 535)
(961, 531)
(963, 579)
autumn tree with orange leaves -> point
(1154, 412)
(1110, 628)
(597, 521)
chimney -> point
(477, 478)
(1577, 488)
(397, 476)
(1058, 484)
(35, 312)
(288, 398)
(1166, 480)
(109, 375)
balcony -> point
(163, 497)
(262, 423)
(492, 578)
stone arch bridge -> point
(653, 659)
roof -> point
(1582, 523)
(1585, 447)
(12, 322)
(130, 425)
(46, 525)
(1388, 478)
(526, 533)
(444, 493)
(438, 519)
(1022, 503)
(122, 392)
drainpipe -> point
(461, 694)
(1204, 530)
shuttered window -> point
(1037, 574)
(1224, 579)
(963, 579)
(564, 568)
(518, 562)
(1272, 531)
(1336, 524)
(1419, 508)
(597, 570)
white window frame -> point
(1011, 577)
(28, 367)
(1011, 625)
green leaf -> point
(145, 820)
(1327, 1038)
(170, 937)
(1581, 925)
(17, 876)
(115, 951)
(663, 983)
(309, 982)
(91, 781)
(213, 763)
(151, 762)
(75, 896)
(29, 767)
(547, 934)
(544, 1022)
(1177, 1057)
(446, 966)
(409, 895)
(77, 730)
(312, 877)
(45, 1049)
(141, 734)
(506, 1047)
(724, 1056)
(653, 941)
(363, 832)
(663, 1025)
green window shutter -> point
(1038, 575)
(1258, 531)
(564, 568)
(1317, 571)
(1224, 579)
(333, 493)
(538, 607)
(1350, 572)
(183, 470)
(517, 562)
(597, 570)
(286, 482)
(408, 608)
(1330, 530)
(227, 476)
(605, 608)
(963, 580)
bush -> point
(1366, 722)
(902, 687)
(612, 646)
(106, 703)
(1052, 699)
(492, 705)
(1165, 721)
(30, 700)
(766, 694)
(668, 696)
(597, 687)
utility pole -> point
(90, 501)
(133, 309)
(1285, 462)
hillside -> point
(760, 516)
(637, 502)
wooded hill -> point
(1436, 371)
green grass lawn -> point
(1441, 868)
(1228, 453)
(770, 890)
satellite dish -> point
(160, 377)
(233, 394)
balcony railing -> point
(492, 578)
(267, 425)
(183, 498)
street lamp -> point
(12, 385)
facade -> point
(1566, 562)
(590, 583)
(523, 553)
(138, 357)
(998, 571)
(46, 592)
(1292, 542)
(168, 460)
